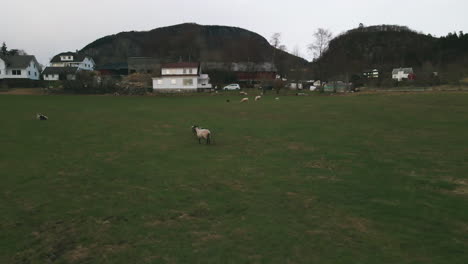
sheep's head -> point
(194, 129)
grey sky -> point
(47, 27)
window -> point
(35, 73)
(188, 82)
(168, 71)
(16, 72)
(185, 71)
(173, 81)
(29, 72)
(159, 81)
(190, 71)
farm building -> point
(113, 69)
(403, 73)
(143, 65)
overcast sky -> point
(47, 27)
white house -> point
(19, 67)
(73, 59)
(403, 73)
(64, 66)
(182, 76)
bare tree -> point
(296, 51)
(322, 38)
(275, 41)
(319, 46)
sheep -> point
(41, 116)
(244, 100)
(277, 98)
(202, 133)
(258, 97)
(243, 93)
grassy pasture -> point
(352, 179)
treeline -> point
(386, 47)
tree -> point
(4, 49)
(296, 51)
(322, 38)
(275, 41)
(319, 46)
(13, 52)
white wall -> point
(87, 64)
(30, 72)
(400, 75)
(51, 77)
(179, 71)
(2, 69)
(167, 83)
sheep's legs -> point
(199, 140)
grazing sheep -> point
(41, 117)
(243, 93)
(277, 98)
(258, 97)
(202, 133)
(244, 100)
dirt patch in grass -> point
(24, 91)
(462, 186)
(321, 163)
(108, 156)
(77, 254)
(297, 146)
(206, 236)
(355, 223)
(236, 185)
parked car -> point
(233, 86)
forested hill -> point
(188, 42)
(385, 47)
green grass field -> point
(332, 179)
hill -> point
(387, 46)
(189, 42)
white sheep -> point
(258, 97)
(244, 100)
(243, 93)
(202, 133)
(277, 98)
